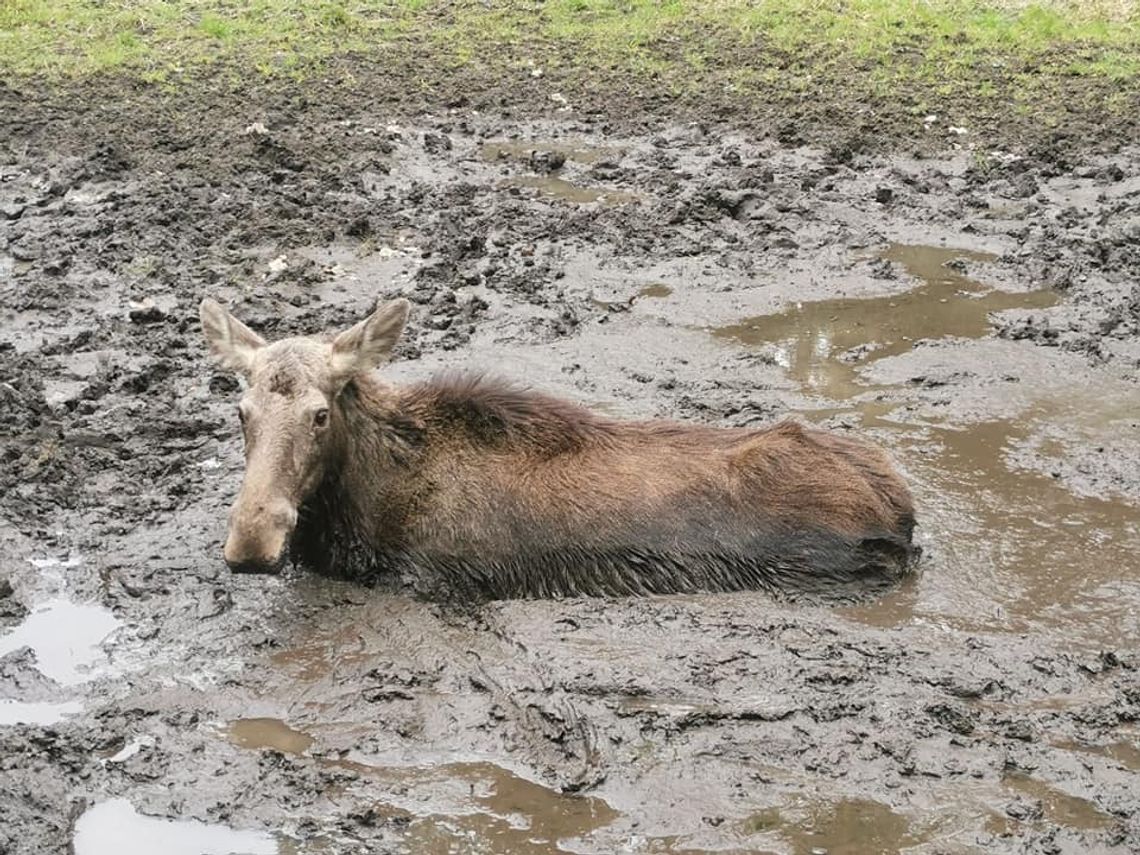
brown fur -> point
(469, 487)
(493, 487)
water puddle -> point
(636, 704)
(845, 827)
(1059, 807)
(822, 345)
(272, 733)
(114, 827)
(563, 190)
(1008, 548)
(65, 637)
(469, 806)
(655, 290)
(38, 713)
(652, 291)
(1011, 548)
(1123, 752)
(481, 807)
(524, 150)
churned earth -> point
(978, 313)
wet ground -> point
(979, 315)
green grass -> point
(933, 49)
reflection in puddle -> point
(523, 149)
(115, 828)
(21, 712)
(271, 733)
(1013, 548)
(65, 638)
(478, 807)
(816, 342)
(846, 827)
(1059, 807)
(560, 188)
(634, 704)
(494, 811)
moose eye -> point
(321, 417)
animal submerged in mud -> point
(469, 487)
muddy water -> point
(821, 344)
(475, 806)
(272, 733)
(1008, 549)
(524, 150)
(844, 827)
(566, 191)
(114, 827)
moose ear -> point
(231, 341)
(370, 342)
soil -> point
(980, 317)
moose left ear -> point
(370, 342)
(231, 341)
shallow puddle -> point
(1124, 752)
(65, 638)
(655, 290)
(39, 713)
(1059, 807)
(1012, 549)
(523, 149)
(845, 827)
(507, 815)
(823, 344)
(477, 807)
(114, 827)
(255, 733)
(1007, 548)
(560, 188)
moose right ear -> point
(231, 341)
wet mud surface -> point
(979, 316)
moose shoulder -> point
(491, 491)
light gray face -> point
(289, 418)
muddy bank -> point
(979, 317)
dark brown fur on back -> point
(469, 487)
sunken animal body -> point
(465, 486)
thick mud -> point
(978, 315)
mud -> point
(978, 314)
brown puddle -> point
(845, 827)
(255, 733)
(1059, 807)
(1124, 752)
(655, 290)
(523, 149)
(476, 806)
(816, 342)
(560, 188)
(1008, 549)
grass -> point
(932, 50)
